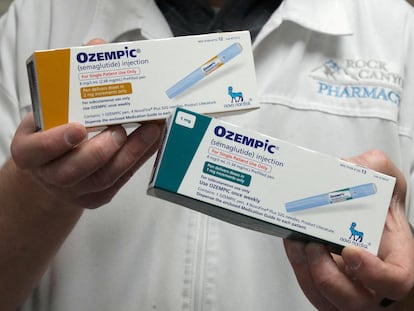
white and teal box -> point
(269, 185)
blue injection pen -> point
(208, 67)
(331, 197)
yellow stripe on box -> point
(53, 78)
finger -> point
(95, 199)
(380, 162)
(296, 253)
(92, 200)
(141, 144)
(95, 41)
(84, 160)
(31, 149)
(149, 152)
(390, 274)
(388, 279)
(334, 285)
(397, 239)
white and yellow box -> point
(142, 80)
(269, 185)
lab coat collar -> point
(113, 19)
(325, 16)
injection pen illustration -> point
(208, 67)
(351, 193)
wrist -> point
(33, 226)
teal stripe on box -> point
(180, 149)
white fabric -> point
(330, 73)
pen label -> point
(211, 65)
(339, 196)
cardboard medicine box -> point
(269, 185)
(142, 80)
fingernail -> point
(149, 133)
(351, 258)
(118, 136)
(354, 264)
(74, 136)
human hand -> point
(76, 171)
(358, 280)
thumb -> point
(386, 279)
